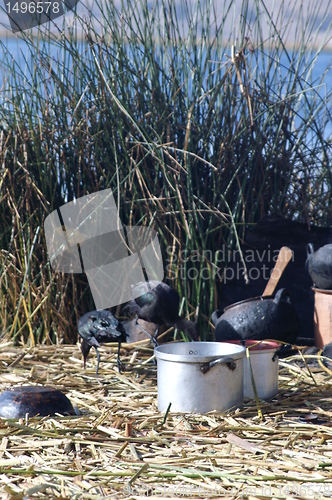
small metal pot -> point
(259, 318)
(265, 368)
(199, 376)
(319, 266)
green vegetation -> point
(195, 138)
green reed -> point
(201, 124)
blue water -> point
(321, 92)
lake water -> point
(18, 49)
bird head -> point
(193, 331)
(189, 328)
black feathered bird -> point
(158, 303)
(98, 327)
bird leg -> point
(152, 337)
(118, 361)
(98, 359)
(155, 343)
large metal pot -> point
(259, 318)
(319, 266)
(264, 365)
(199, 376)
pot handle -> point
(215, 317)
(207, 366)
(283, 349)
(283, 295)
(310, 249)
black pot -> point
(319, 266)
(259, 318)
(16, 403)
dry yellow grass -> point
(118, 446)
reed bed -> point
(120, 446)
(200, 124)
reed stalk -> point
(201, 124)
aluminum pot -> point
(259, 318)
(265, 368)
(319, 266)
(199, 376)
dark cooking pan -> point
(262, 317)
(34, 400)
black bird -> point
(159, 303)
(98, 327)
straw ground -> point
(198, 122)
(120, 446)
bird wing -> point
(108, 322)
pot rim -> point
(30, 389)
(234, 351)
(321, 290)
(252, 299)
(256, 345)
